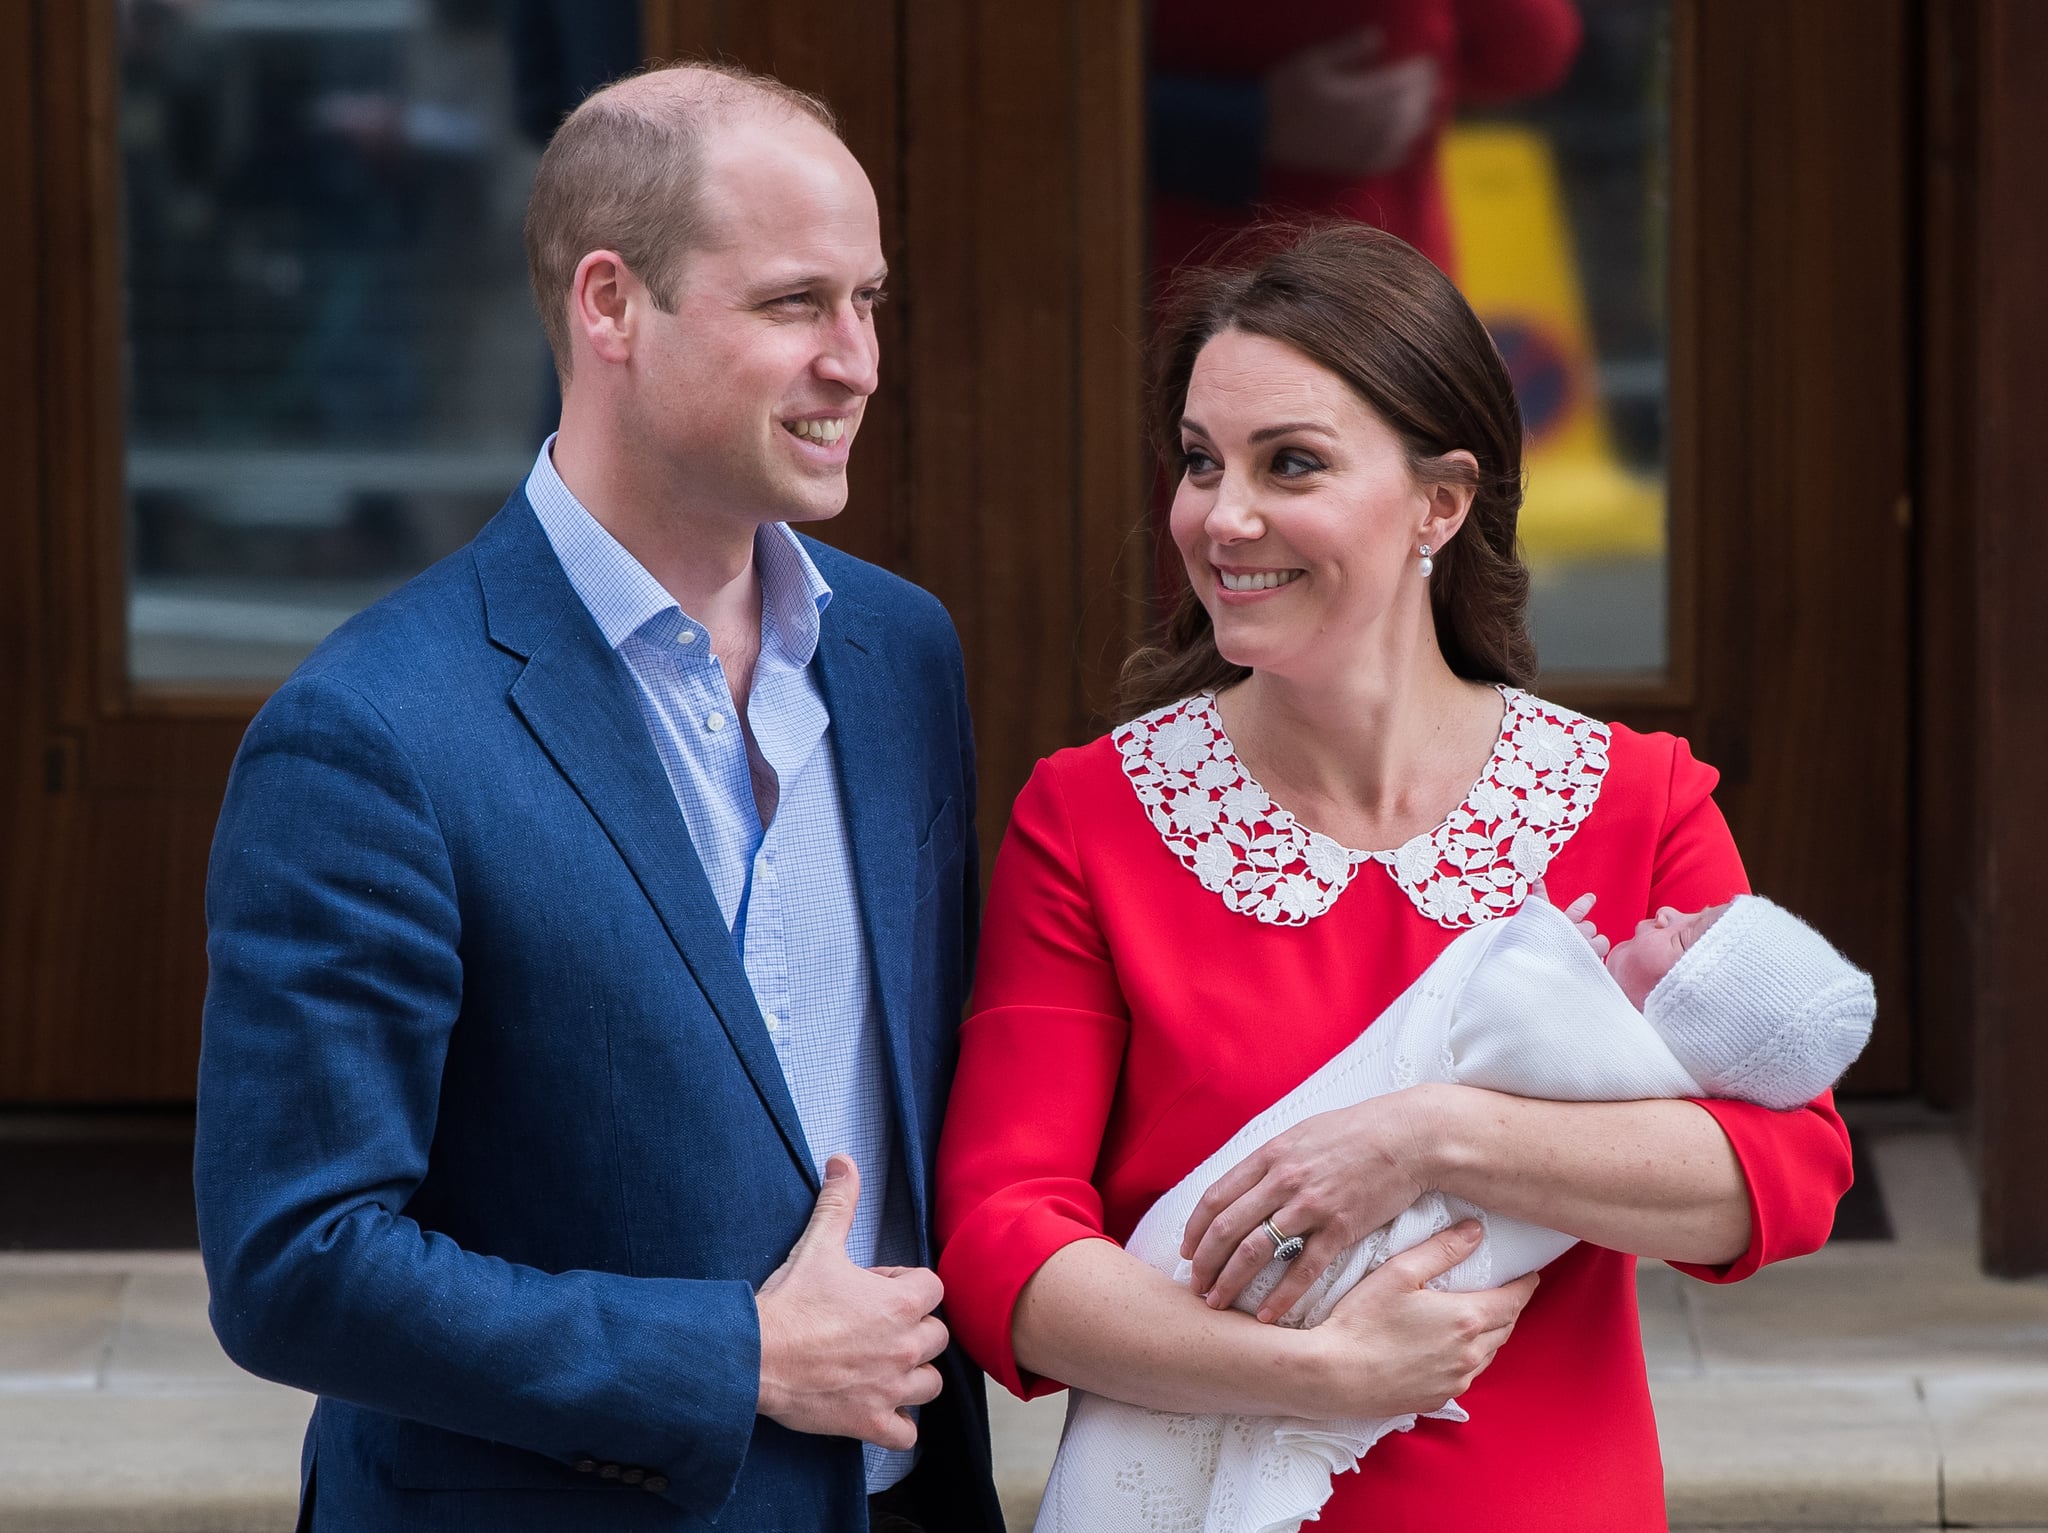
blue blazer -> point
(494, 1147)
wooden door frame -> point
(1983, 718)
(1790, 311)
(110, 788)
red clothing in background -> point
(1486, 50)
(1125, 1023)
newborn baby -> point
(1740, 1000)
(1763, 1009)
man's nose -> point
(852, 356)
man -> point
(589, 921)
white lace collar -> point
(1542, 779)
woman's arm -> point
(1036, 1292)
(1654, 1178)
(1719, 1188)
(1099, 1319)
(1657, 1179)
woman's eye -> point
(1293, 463)
(1194, 461)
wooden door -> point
(1002, 466)
(999, 466)
(110, 792)
(1792, 521)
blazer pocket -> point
(432, 1458)
(939, 848)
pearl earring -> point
(1428, 564)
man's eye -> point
(871, 297)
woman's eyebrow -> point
(1267, 433)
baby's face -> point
(1640, 961)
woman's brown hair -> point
(1377, 313)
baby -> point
(1740, 1000)
(1756, 1004)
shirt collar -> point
(623, 598)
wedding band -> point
(1285, 1248)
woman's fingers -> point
(1247, 1259)
(1227, 1190)
(1435, 1256)
(1503, 1305)
(1323, 1248)
(1233, 1238)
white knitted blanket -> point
(1518, 1005)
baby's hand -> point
(1576, 913)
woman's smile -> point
(1248, 584)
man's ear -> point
(1449, 486)
(602, 303)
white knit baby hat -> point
(1761, 1006)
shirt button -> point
(774, 1022)
(687, 636)
(714, 722)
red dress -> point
(1127, 1020)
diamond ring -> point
(1285, 1248)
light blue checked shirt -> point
(787, 889)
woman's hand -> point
(1395, 1345)
(1331, 1179)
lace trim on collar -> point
(1541, 781)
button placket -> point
(767, 955)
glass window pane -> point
(334, 372)
(1524, 146)
(1560, 218)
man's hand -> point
(844, 1349)
(1394, 1344)
(1333, 108)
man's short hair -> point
(622, 173)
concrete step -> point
(1876, 1385)
(217, 1462)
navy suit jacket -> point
(494, 1147)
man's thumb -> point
(832, 1217)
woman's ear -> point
(1450, 484)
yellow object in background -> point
(1516, 268)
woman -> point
(1180, 931)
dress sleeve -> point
(1040, 1055)
(1509, 49)
(1796, 1163)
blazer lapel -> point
(872, 738)
(577, 697)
